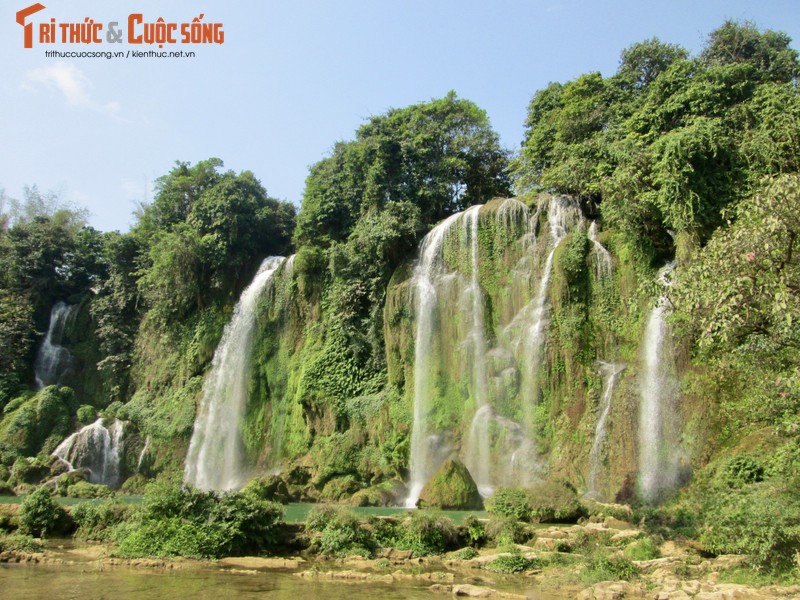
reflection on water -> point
(115, 583)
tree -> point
(441, 156)
(745, 281)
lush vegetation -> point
(692, 158)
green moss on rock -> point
(452, 488)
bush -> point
(338, 532)
(183, 521)
(39, 513)
(554, 502)
(474, 531)
(644, 549)
(96, 521)
(427, 533)
(516, 563)
(604, 567)
(506, 531)
(84, 489)
(509, 502)
(761, 520)
(18, 542)
(464, 554)
(86, 414)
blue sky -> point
(294, 77)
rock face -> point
(452, 488)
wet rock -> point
(477, 591)
(256, 562)
(607, 590)
(626, 535)
(612, 523)
(656, 563)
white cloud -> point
(72, 83)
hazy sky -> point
(293, 77)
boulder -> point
(451, 488)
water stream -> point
(53, 360)
(659, 419)
(215, 457)
(96, 448)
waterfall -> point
(142, 454)
(477, 447)
(610, 373)
(425, 446)
(215, 457)
(602, 257)
(452, 353)
(53, 360)
(531, 323)
(97, 449)
(659, 420)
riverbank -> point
(552, 573)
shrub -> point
(84, 489)
(427, 533)
(509, 502)
(474, 531)
(603, 567)
(506, 531)
(96, 521)
(183, 521)
(644, 549)
(338, 532)
(464, 554)
(86, 414)
(553, 501)
(743, 469)
(516, 563)
(39, 513)
(761, 520)
(18, 542)
(384, 531)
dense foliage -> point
(181, 521)
(674, 156)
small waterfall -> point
(215, 457)
(611, 373)
(53, 360)
(142, 454)
(602, 258)
(659, 420)
(97, 449)
(478, 444)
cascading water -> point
(611, 373)
(531, 323)
(53, 360)
(477, 447)
(215, 457)
(659, 420)
(142, 454)
(602, 257)
(425, 449)
(450, 338)
(97, 449)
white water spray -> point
(97, 449)
(659, 421)
(215, 457)
(53, 360)
(611, 373)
